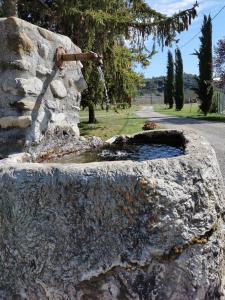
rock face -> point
(19, 122)
(30, 85)
(58, 89)
(114, 230)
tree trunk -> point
(91, 109)
(9, 8)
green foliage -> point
(190, 111)
(122, 81)
(215, 102)
(205, 78)
(169, 84)
(179, 80)
(103, 26)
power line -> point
(191, 39)
(188, 42)
(218, 12)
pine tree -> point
(169, 85)
(205, 78)
(179, 80)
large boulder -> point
(114, 230)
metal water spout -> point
(62, 56)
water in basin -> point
(136, 152)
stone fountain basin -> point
(114, 230)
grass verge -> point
(189, 111)
(111, 123)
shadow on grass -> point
(198, 116)
(86, 127)
(211, 118)
(137, 118)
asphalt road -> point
(214, 132)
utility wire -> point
(188, 42)
(218, 12)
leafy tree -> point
(179, 80)
(102, 26)
(205, 78)
(169, 84)
(220, 61)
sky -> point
(169, 7)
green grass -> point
(189, 111)
(111, 123)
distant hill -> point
(155, 87)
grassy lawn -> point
(189, 111)
(111, 123)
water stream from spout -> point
(102, 78)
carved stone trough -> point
(114, 230)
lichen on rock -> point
(115, 230)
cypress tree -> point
(205, 78)
(165, 95)
(169, 85)
(179, 80)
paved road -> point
(214, 132)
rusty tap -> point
(62, 56)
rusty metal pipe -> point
(78, 56)
(62, 56)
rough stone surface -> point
(114, 230)
(58, 89)
(43, 50)
(27, 70)
(49, 150)
(12, 122)
(20, 43)
(31, 86)
(9, 86)
(21, 64)
(18, 158)
(42, 70)
(25, 104)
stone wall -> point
(114, 230)
(35, 97)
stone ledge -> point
(15, 122)
(25, 104)
(126, 228)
